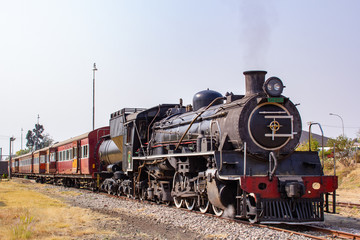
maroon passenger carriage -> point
(71, 162)
(26, 163)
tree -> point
(342, 149)
(305, 145)
(38, 137)
(22, 152)
(36, 140)
(30, 139)
(47, 140)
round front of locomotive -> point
(271, 126)
(269, 121)
(274, 127)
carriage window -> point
(75, 152)
(142, 129)
(85, 151)
(42, 159)
(129, 134)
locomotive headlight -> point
(273, 87)
(277, 86)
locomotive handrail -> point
(244, 159)
(148, 131)
(138, 135)
(175, 155)
(272, 172)
(192, 122)
(322, 139)
(222, 114)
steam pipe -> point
(197, 116)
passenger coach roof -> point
(82, 136)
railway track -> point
(347, 204)
(315, 232)
(309, 231)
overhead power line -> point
(338, 126)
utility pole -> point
(342, 122)
(94, 69)
(9, 163)
(22, 138)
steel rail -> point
(329, 232)
(334, 233)
(347, 204)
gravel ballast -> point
(131, 219)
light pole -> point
(342, 122)
(94, 69)
(9, 164)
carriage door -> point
(78, 156)
(74, 152)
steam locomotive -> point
(231, 154)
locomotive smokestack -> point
(254, 81)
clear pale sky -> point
(150, 52)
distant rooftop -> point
(305, 137)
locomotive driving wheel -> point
(204, 205)
(142, 194)
(189, 202)
(218, 211)
(177, 188)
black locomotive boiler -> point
(233, 152)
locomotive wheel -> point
(251, 212)
(204, 207)
(109, 189)
(128, 194)
(178, 202)
(119, 191)
(142, 194)
(177, 188)
(190, 203)
(218, 211)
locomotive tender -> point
(231, 154)
(234, 152)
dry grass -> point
(352, 180)
(25, 214)
(216, 236)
